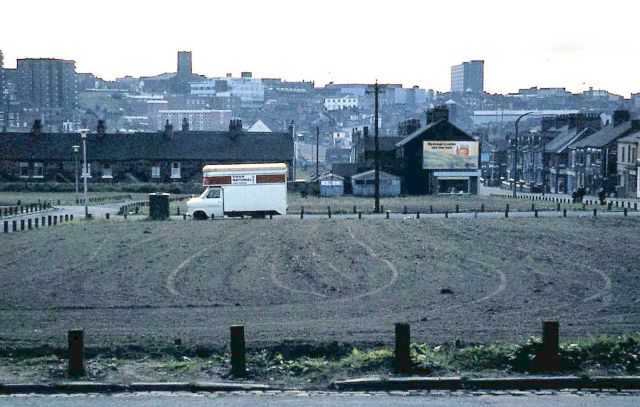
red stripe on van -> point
(217, 180)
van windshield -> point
(214, 193)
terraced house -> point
(164, 156)
(594, 159)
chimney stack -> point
(235, 127)
(168, 130)
(185, 124)
(101, 128)
(620, 116)
(37, 127)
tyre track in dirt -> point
(273, 271)
(170, 280)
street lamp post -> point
(76, 149)
(515, 156)
(83, 135)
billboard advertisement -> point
(448, 155)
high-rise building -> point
(185, 68)
(47, 83)
(468, 77)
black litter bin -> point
(159, 206)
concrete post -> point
(107, 216)
(564, 212)
(76, 352)
(15, 225)
(238, 351)
(535, 213)
(403, 339)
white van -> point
(253, 190)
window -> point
(622, 158)
(107, 171)
(155, 171)
(38, 170)
(214, 193)
(175, 170)
(24, 170)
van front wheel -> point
(199, 215)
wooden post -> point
(549, 354)
(15, 225)
(387, 214)
(302, 212)
(238, 351)
(49, 220)
(354, 209)
(418, 215)
(76, 352)
(107, 216)
(564, 212)
(431, 208)
(625, 212)
(457, 208)
(359, 215)
(382, 208)
(558, 207)
(404, 211)
(506, 211)
(535, 213)
(403, 339)
(329, 211)
(35, 223)
(6, 226)
(482, 208)
(29, 223)
(595, 212)
(55, 220)
(533, 207)
(635, 206)
(446, 215)
(71, 217)
(21, 224)
(66, 217)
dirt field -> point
(131, 283)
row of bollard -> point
(31, 223)
(22, 209)
(405, 210)
(99, 199)
(546, 359)
(609, 204)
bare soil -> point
(318, 281)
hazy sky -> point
(564, 43)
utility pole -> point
(544, 164)
(376, 92)
(317, 151)
(377, 151)
(515, 156)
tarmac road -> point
(301, 398)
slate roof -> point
(182, 146)
(566, 138)
(455, 135)
(385, 143)
(605, 135)
(369, 175)
(631, 138)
